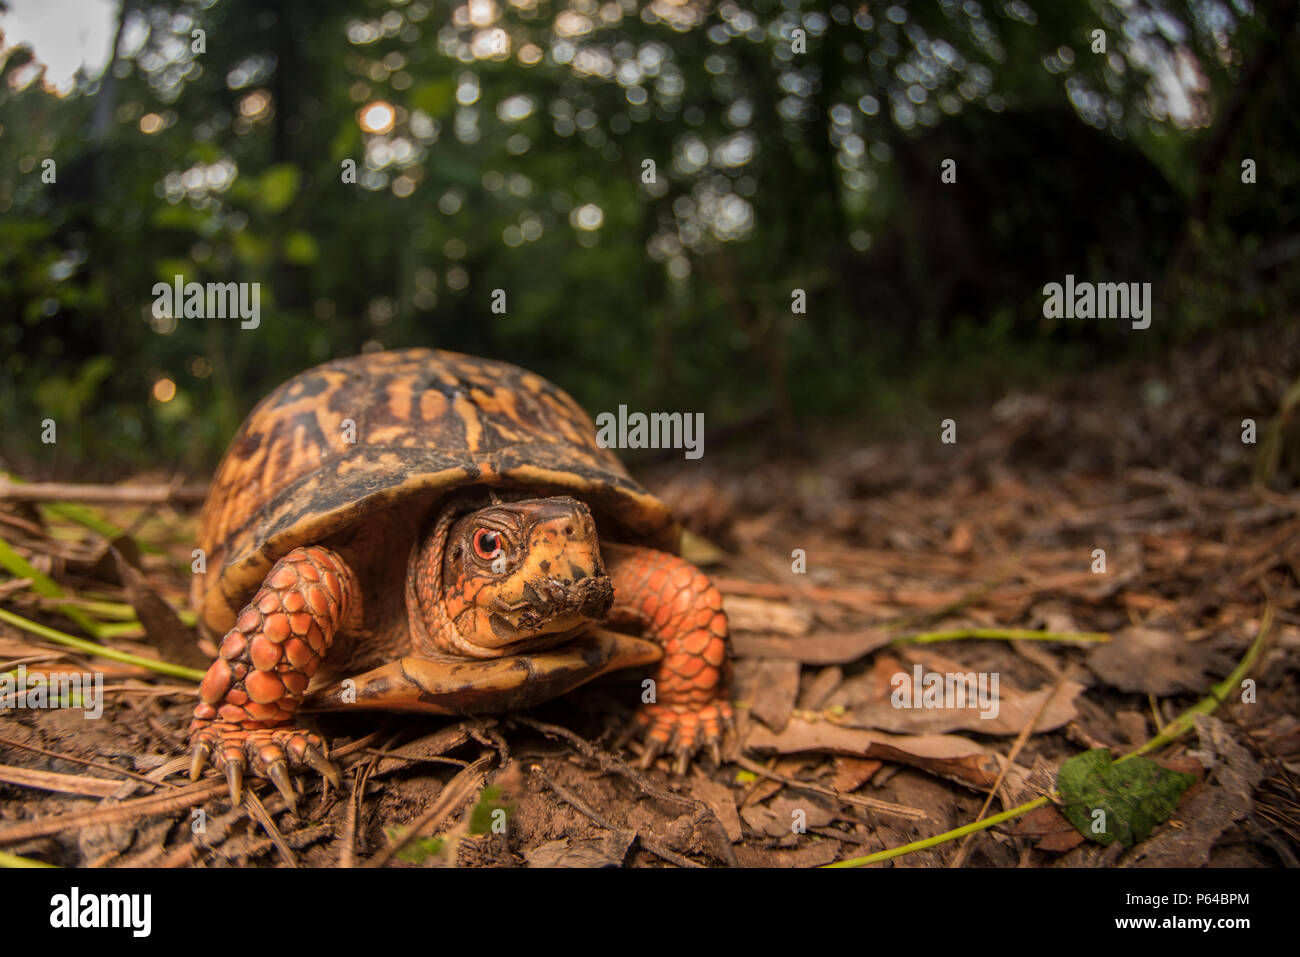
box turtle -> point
(427, 531)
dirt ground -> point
(998, 531)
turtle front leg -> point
(676, 605)
(248, 698)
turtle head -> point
(514, 576)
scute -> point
(423, 422)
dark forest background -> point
(515, 161)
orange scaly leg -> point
(250, 693)
(676, 605)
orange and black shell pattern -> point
(386, 430)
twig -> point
(349, 843)
(871, 804)
(1003, 634)
(944, 837)
(88, 763)
(257, 810)
(16, 584)
(85, 785)
(359, 781)
(414, 759)
(164, 803)
(102, 494)
(182, 856)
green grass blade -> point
(102, 651)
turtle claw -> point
(684, 756)
(322, 765)
(684, 730)
(653, 748)
(279, 776)
(199, 760)
(235, 778)
(272, 753)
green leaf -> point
(180, 216)
(67, 397)
(480, 819)
(345, 142)
(278, 186)
(301, 248)
(417, 852)
(166, 270)
(252, 249)
(434, 97)
(1133, 796)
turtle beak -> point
(561, 582)
(595, 597)
(565, 574)
(590, 597)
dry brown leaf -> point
(763, 820)
(814, 855)
(818, 809)
(1054, 833)
(870, 702)
(1152, 661)
(765, 616)
(816, 689)
(852, 773)
(819, 648)
(760, 791)
(608, 850)
(775, 689)
(948, 756)
(722, 800)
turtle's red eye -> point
(487, 544)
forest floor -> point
(905, 547)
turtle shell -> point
(395, 430)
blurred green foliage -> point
(515, 161)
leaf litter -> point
(909, 547)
